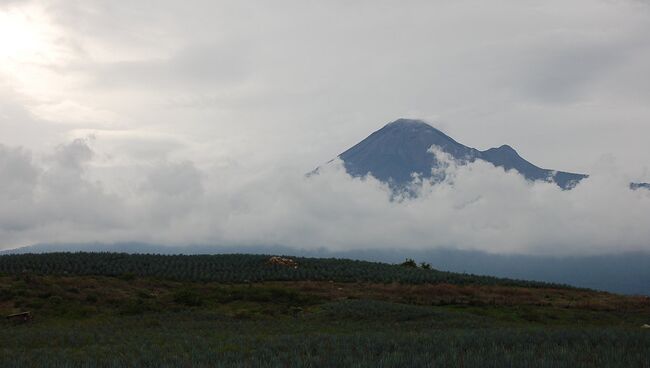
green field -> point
(113, 310)
(234, 268)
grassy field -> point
(130, 319)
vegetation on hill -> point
(234, 268)
(108, 310)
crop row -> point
(235, 268)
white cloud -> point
(477, 207)
(207, 115)
(302, 82)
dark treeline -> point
(236, 268)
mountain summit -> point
(401, 148)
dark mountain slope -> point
(401, 148)
(635, 186)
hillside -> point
(237, 268)
(624, 273)
(108, 309)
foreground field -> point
(127, 319)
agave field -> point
(234, 268)
(114, 310)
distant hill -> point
(399, 149)
(240, 268)
(627, 273)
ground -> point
(129, 320)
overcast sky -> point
(159, 108)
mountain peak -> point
(400, 149)
(409, 125)
(503, 149)
(408, 122)
(394, 153)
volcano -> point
(402, 149)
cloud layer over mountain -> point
(64, 196)
(167, 122)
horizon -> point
(361, 193)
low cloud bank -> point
(75, 194)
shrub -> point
(409, 263)
(5, 295)
(189, 298)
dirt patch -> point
(281, 261)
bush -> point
(189, 298)
(5, 295)
(409, 263)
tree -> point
(409, 263)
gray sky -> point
(159, 107)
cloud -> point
(477, 206)
(302, 82)
(6, 3)
(18, 172)
(206, 117)
(73, 155)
